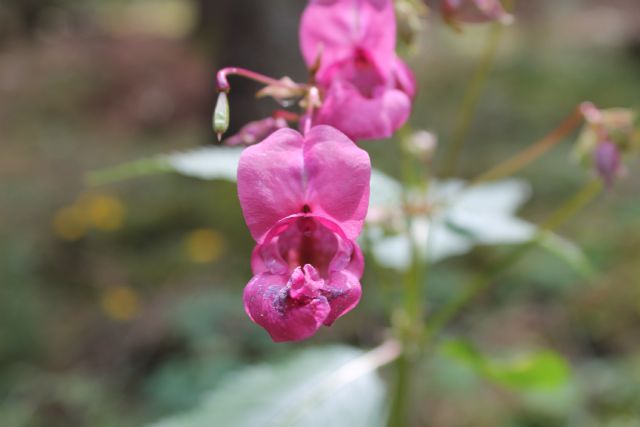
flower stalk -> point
(534, 151)
(471, 99)
(409, 319)
(224, 86)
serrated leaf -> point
(523, 371)
(205, 163)
(317, 388)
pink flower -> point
(367, 88)
(474, 11)
(304, 199)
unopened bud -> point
(285, 92)
(607, 162)
(422, 144)
(254, 132)
(409, 15)
(456, 12)
(221, 115)
(610, 126)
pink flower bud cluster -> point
(304, 196)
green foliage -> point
(569, 252)
(313, 388)
(204, 163)
(532, 371)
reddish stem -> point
(287, 115)
(223, 83)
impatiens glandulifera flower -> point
(304, 199)
(367, 89)
(457, 12)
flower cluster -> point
(305, 193)
(368, 89)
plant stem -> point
(409, 318)
(533, 152)
(470, 101)
(564, 213)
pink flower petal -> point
(359, 117)
(405, 79)
(270, 181)
(268, 303)
(338, 175)
(344, 285)
(344, 294)
(333, 29)
(324, 173)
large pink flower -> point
(367, 88)
(304, 199)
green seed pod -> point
(221, 115)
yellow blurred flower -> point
(105, 213)
(120, 303)
(70, 223)
(204, 245)
(160, 18)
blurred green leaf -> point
(317, 387)
(568, 252)
(543, 369)
(204, 163)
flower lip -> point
(303, 239)
(306, 274)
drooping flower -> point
(607, 136)
(304, 199)
(456, 12)
(367, 88)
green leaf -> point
(530, 371)
(335, 386)
(204, 163)
(568, 252)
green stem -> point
(470, 101)
(408, 320)
(398, 414)
(564, 213)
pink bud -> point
(254, 132)
(607, 161)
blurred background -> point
(121, 304)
